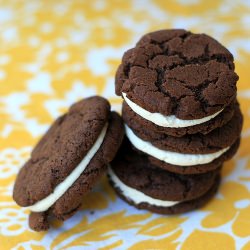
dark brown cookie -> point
(203, 128)
(95, 169)
(214, 141)
(182, 207)
(39, 221)
(60, 151)
(176, 72)
(187, 170)
(197, 169)
(135, 171)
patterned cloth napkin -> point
(53, 53)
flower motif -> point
(231, 205)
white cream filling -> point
(171, 157)
(59, 190)
(136, 196)
(170, 121)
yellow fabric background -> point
(53, 53)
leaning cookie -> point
(177, 80)
(146, 186)
(68, 161)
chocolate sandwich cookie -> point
(68, 161)
(219, 139)
(198, 168)
(182, 163)
(189, 154)
(204, 128)
(177, 79)
(146, 186)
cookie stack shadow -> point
(182, 121)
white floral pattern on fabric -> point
(54, 53)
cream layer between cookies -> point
(173, 158)
(136, 196)
(61, 189)
(170, 121)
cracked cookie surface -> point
(176, 72)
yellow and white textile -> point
(53, 53)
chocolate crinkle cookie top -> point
(176, 72)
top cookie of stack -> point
(178, 83)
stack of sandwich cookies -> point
(180, 108)
(68, 161)
(146, 186)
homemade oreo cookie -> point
(68, 161)
(205, 152)
(204, 128)
(176, 80)
(146, 186)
